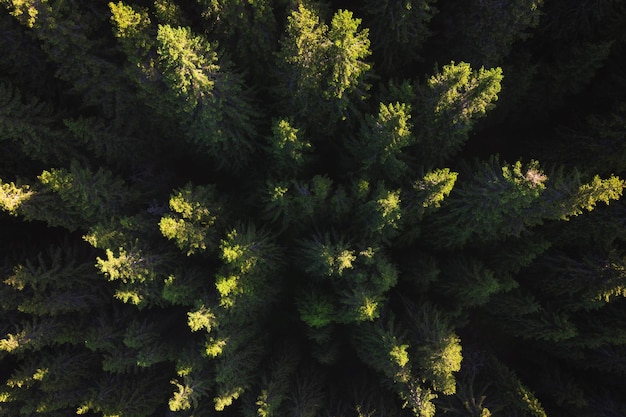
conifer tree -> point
(288, 147)
(399, 29)
(530, 195)
(382, 347)
(508, 22)
(195, 211)
(183, 80)
(379, 147)
(599, 135)
(322, 65)
(249, 28)
(33, 126)
(304, 203)
(71, 38)
(250, 207)
(72, 198)
(447, 105)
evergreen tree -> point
(182, 79)
(33, 126)
(322, 66)
(506, 22)
(195, 212)
(447, 105)
(530, 195)
(379, 147)
(399, 28)
(250, 207)
(248, 28)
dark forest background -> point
(312, 208)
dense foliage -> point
(312, 208)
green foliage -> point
(168, 12)
(591, 141)
(51, 285)
(348, 46)
(181, 76)
(248, 258)
(379, 147)
(94, 196)
(188, 64)
(470, 283)
(587, 282)
(300, 203)
(13, 196)
(219, 118)
(516, 186)
(382, 348)
(590, 194)
(361, 278)
(72, 198)
(275, 394)
(382, 215)
(130, 27)
(518, 395)
(323, 65)
(582, 64)
(248, 28)
(507, 201)
(328, 259)
(72, 41)
(315, 311)
(448, 104)
(194, 214)
(287, 147)
(437, 347)
(137, 271)
(359, 249)
(434, 187)
(31, 124)
(508, 21)
(399, 28)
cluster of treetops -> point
(308, 208)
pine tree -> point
(399, 28)
(248, 28)
(70, 37)
(33, 125)
(381, 213)
(599, 141)
(182, 78)
(379, 147)
(280, 216)
(447, 105)
(513, 198)
(288, 147)
(506, 22)
(322, 66)
(468, 282)
(195, 210)
(72, 198)
(276, 383)
(299, 204)
(382, 347)
(50, 383)
(54, 283)
(437, 349)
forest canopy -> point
(312, 208)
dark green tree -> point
(321, 66)
(399, 29)
(277, 207)
(447, 106)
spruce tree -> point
(278, 207)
